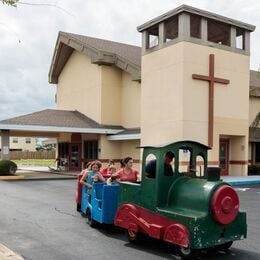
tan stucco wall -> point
(238, 152)
(162, 96)
(79, 86)
(119, 149)
(121, 97)
(254, 108)
(130, 102)
(109, 149)
(64, 137)
(111, 95)
(175, 106)
(106, 94)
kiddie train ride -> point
(192, 210)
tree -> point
(10, 2)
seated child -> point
(92, 175)
(115, 178)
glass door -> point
(224, 156)
(75, 157)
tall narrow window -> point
(171, 29)
(63, 150)
(153, 37)
(91, 149)
(218, 32)
(195, 26)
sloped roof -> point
(197, 11)
(254, 83)
(127, 134)
(126, 57)
(58, 120)
(254, 134)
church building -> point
(190, 80)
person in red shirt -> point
(104, 171)
(127, 172)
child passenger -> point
(115, 178)
(92, 175)
(105, 171)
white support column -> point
(161, 34)
(204, 30)
(184, 26)
(144, 42)
(233, 37)
(247, 42)
(5, 145)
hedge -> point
(253, 169)
(7, 167)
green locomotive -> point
(187, 205)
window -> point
(27, 140)
(200, 166)
(240, 38)
(184, 160)
(63, 150)
(169, 162)
(15, 140)
(218, 32)
(195, 26)
(150, 166)
(171, 29)
(91, 149)
(153, 37)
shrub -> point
(253, 170)
(7, 167)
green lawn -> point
(36, 162)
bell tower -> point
(195, 82)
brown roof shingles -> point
(58, 118)
(129, 52)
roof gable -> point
(102, 52)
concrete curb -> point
(11, 178)
(46, 179)
(7, 254)
(237, 183)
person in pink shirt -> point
(105, 171)
(127, 172)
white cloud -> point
(24, 66)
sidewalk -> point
(7, 254)
(39, 173)
(44, 173)
(241, 180)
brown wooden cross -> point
(211, 79)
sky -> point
(29, 33)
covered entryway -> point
(67, 126)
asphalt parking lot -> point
(39, 221)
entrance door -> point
(224, 156)
(75, 157)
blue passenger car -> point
(101, 204)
